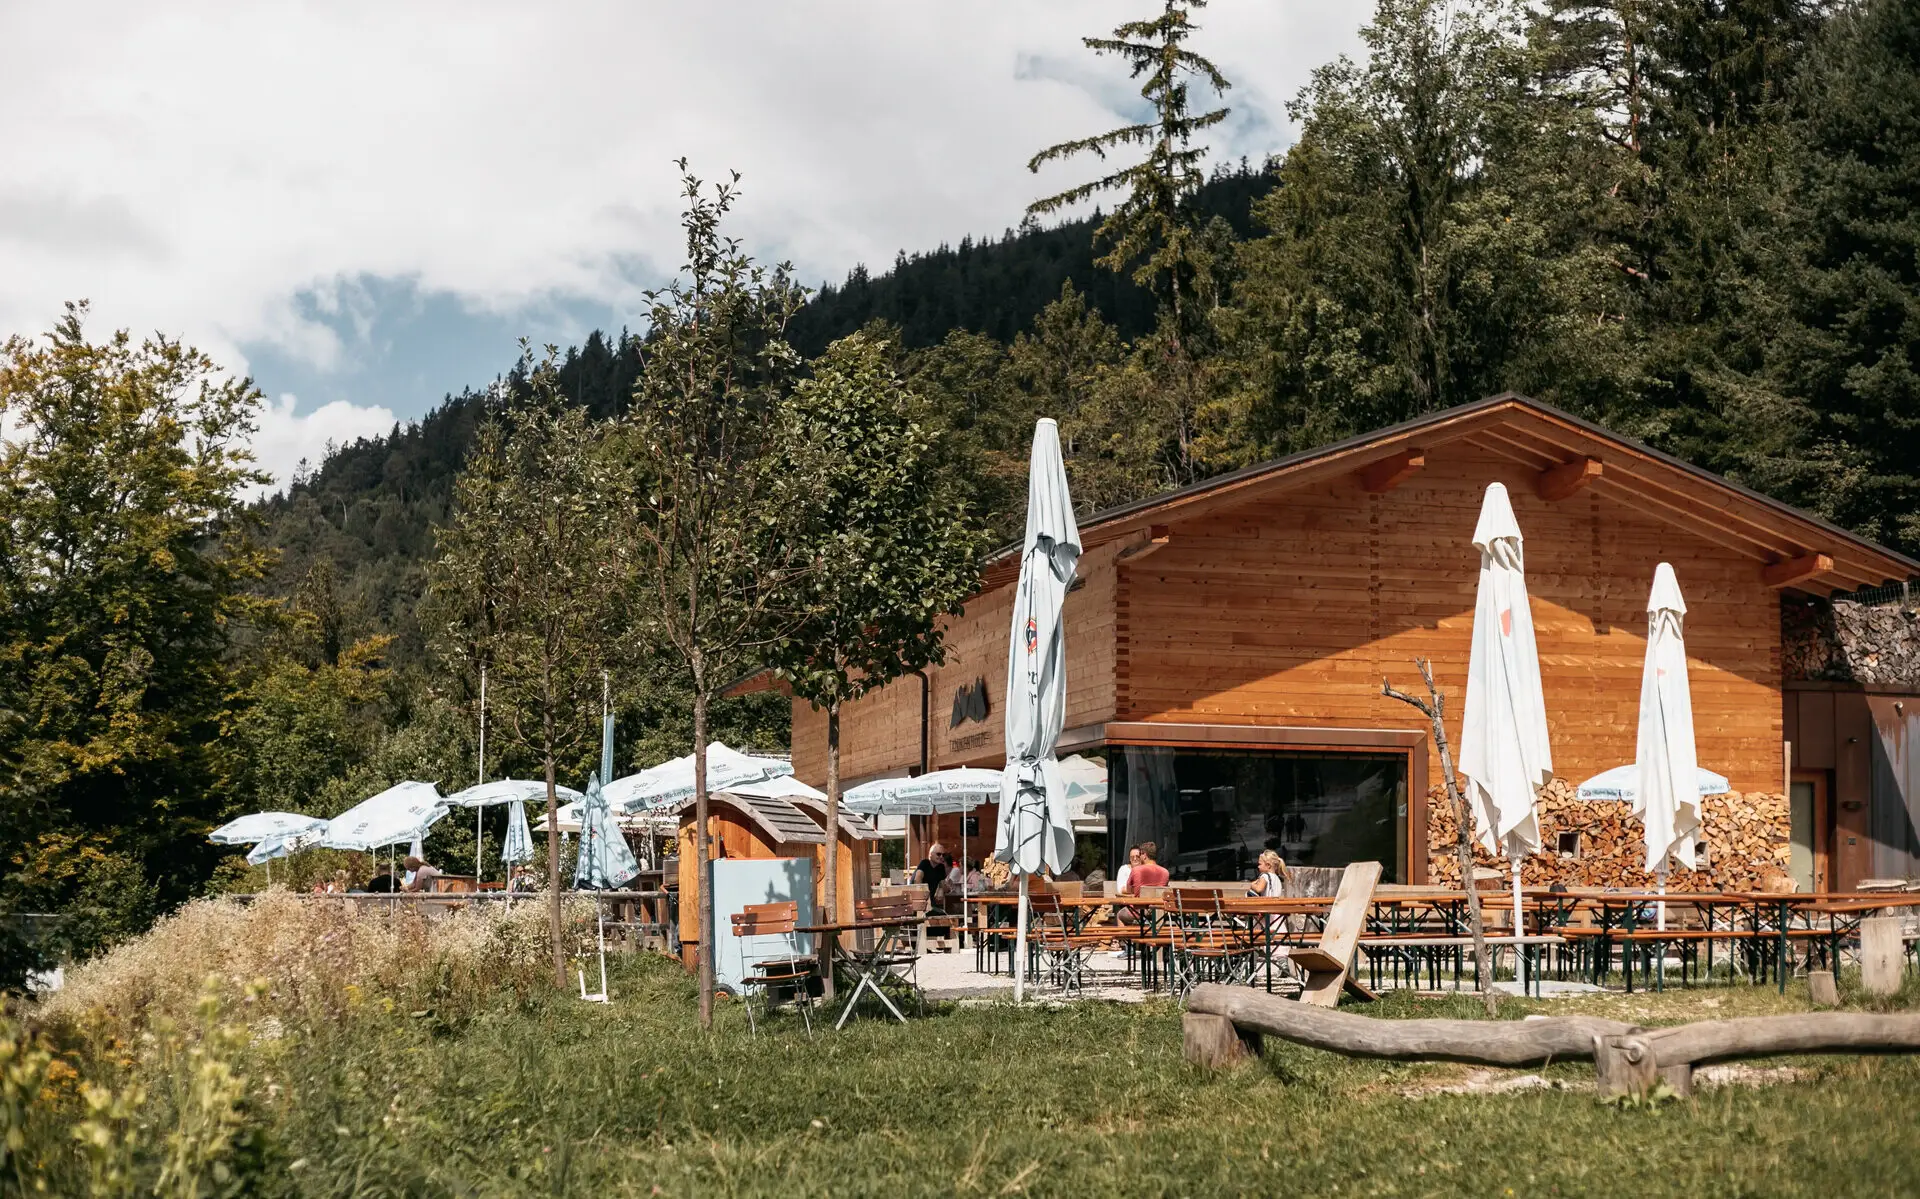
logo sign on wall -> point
(969, 703)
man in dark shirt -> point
(931, 872)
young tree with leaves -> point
(528, 580)
(124, 571)
(716, 371)
(887, 543)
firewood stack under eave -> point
(1746, 838)
(1875, 644)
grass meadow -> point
(431, 1059)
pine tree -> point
(1155, 230)
(1853, 270)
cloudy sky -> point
(363, 205)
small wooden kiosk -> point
(751, 826)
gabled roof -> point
(1789, 547)
(778, 820)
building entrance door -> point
(1811, 820)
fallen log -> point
(1769, 1036)
(1485, 1042)
(1628, 1059)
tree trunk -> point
(553, 878)
(702, 859)
(831, 889)
(1482, 1042)
(1435, 709)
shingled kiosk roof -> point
(777, 819)
(1788, 547)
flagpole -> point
(479, 809)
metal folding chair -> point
(1208, 945)
(1063, 953)
(767, 929)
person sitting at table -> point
(931, 872)
(1271, 882)
(380, 884)
(1126, 870)
(424, 875)
(1149, 873)
(976, 881)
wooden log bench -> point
(1223, 1025)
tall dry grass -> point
(316, 958)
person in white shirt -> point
(1126, 871)
(1271, 882)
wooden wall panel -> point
(880, 734)
(1290, 609)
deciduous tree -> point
(886, 542)
(711, 565)
(529, 580)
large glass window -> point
(1211, 812)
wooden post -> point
(1882, 954)
(1215, 1042)
(1623, 1065)
(1820, 987)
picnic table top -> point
(848, 926)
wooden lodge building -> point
(1227, 643)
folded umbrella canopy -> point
(1668, 793)
(257, 827)
(605, 863)
(1036, 826)
(400, 813)
(518, 846)
(1504, 751)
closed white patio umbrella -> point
(1036, 826)
(1504, 752)
(1667, 795)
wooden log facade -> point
(1258, 614)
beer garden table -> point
(871, 966)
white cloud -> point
(286, 437)
(196, 167)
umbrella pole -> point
(1660, 909)
(477, 810)
(1020, 946)
(1513, 856)
(964, 866)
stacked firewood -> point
(1598, 843)
(1851, 643)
